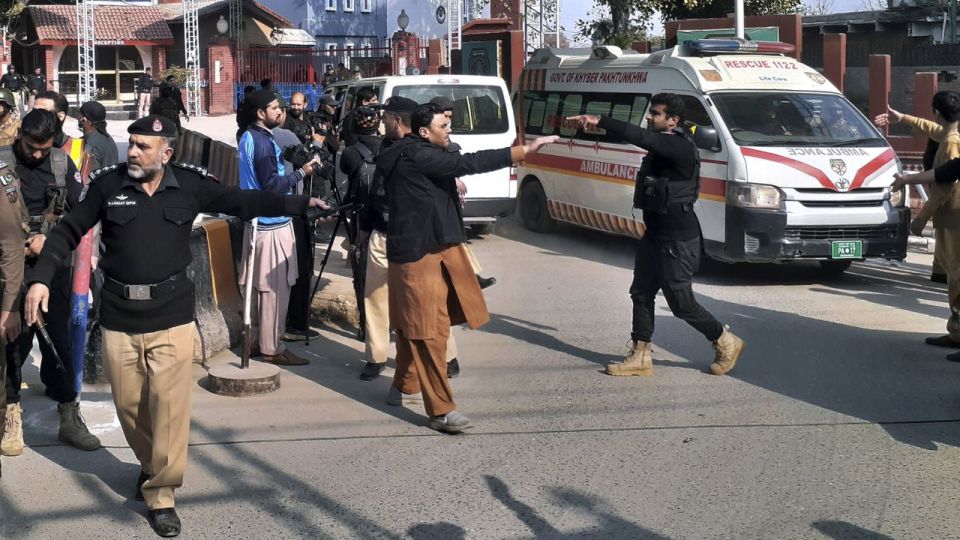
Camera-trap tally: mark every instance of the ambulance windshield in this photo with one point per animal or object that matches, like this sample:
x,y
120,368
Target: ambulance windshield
x,y
790,119
478,110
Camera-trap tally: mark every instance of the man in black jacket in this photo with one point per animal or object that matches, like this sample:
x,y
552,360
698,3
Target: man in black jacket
x,y
669,253
431,283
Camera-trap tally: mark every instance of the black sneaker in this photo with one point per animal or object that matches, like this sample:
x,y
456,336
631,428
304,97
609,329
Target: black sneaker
x,y
294,334
165,522
938,278
486,281
453,368
372,370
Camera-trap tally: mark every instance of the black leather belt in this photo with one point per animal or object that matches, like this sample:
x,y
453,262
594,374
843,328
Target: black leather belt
x,y
144,292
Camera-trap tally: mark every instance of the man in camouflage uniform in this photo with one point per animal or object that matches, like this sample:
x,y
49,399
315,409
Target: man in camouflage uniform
x,y
9,123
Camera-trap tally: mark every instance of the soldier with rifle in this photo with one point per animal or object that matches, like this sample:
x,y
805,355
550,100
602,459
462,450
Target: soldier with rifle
x,y
50,186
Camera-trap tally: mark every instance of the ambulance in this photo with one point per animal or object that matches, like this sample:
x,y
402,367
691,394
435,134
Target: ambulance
x,y
789,168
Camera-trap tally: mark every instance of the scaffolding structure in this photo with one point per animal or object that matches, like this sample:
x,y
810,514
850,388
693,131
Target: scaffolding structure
x,y
236,30
191,35
541,18
86,55
454,27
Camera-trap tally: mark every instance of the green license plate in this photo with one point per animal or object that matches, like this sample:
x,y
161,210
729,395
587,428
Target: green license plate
x,y
847,249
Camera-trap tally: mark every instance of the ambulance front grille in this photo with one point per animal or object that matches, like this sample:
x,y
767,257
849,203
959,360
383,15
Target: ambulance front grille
x,y
841,204
880,232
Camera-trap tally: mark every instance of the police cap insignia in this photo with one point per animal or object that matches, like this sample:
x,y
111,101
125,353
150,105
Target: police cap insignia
x,y
154,126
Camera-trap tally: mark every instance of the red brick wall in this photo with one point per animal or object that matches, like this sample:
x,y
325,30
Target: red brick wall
x,y
49,68
159,59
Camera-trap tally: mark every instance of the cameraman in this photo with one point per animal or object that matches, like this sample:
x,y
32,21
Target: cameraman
x,y
669,253
275,267
366,97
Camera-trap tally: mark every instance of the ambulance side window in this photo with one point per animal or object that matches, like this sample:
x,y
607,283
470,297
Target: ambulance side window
x,y
637,109
535,120
550,119
696,113
572,106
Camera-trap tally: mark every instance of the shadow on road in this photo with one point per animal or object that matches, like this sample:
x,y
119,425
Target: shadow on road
x,y
841,530
608,524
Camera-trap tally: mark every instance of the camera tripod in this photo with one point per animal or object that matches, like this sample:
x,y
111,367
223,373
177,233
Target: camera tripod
x,y
356,263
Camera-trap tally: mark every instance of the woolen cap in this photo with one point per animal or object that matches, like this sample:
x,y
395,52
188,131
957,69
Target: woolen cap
x,y
93,111
261,98
399,104
327,99
154,126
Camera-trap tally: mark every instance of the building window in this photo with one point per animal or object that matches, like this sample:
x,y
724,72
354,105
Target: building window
x,y
348,5
331,5
348,53
366,6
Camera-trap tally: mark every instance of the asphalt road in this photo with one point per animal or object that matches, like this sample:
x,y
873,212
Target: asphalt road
x,y
837,423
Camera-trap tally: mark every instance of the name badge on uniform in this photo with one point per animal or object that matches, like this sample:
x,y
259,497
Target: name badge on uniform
x,y
3,164
11,194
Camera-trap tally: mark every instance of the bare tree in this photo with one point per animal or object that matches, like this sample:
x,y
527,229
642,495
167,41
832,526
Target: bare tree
x,y
874,5
818,7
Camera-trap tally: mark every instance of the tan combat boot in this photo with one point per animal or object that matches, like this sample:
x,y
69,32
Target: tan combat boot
x,y
638,362
12,444
728,348
73,430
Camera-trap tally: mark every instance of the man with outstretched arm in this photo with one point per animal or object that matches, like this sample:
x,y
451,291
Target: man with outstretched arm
x,y
669,253
147,207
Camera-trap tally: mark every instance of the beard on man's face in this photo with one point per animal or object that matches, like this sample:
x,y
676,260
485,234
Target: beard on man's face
x,y
143,173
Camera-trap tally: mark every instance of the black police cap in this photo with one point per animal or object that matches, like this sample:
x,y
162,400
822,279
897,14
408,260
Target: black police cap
x,y
153,125
399,104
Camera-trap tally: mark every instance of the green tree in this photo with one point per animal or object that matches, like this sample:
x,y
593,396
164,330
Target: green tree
x,y
708,9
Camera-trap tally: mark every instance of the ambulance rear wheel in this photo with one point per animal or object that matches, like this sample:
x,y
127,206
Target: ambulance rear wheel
x,y
533,208
834,268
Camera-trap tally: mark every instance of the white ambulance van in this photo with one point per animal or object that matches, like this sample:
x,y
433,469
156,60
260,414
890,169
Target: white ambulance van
x,y
789,168
483,119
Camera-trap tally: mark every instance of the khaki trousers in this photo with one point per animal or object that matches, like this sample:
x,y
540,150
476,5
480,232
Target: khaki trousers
x,y
376,303
947,253
421,365
150,375
143,105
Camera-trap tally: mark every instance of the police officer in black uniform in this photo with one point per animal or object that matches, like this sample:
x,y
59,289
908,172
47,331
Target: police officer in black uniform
x,y
50,186
14,82
36,83
668,185
144,90
147,207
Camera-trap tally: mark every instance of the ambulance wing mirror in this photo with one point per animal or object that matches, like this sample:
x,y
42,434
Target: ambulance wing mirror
x,y
707,138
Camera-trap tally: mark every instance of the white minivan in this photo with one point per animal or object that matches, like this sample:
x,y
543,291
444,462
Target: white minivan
x,y
789,168
483,119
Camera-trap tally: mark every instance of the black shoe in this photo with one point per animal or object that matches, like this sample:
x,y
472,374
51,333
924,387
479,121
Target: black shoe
x,y
954,357
294,334
164,521
453,368
372,370
140,480
942,341
938,278
486,281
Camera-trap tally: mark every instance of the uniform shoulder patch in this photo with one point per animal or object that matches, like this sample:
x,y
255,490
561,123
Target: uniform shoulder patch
x,y
195,169
104,170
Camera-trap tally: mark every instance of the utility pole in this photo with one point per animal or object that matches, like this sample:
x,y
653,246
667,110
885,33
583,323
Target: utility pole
x,y
236,32
540,19
454,27
191,31
86,55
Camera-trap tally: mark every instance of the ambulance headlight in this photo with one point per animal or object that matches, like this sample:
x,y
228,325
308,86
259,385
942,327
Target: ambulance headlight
x,y
898,197
753,195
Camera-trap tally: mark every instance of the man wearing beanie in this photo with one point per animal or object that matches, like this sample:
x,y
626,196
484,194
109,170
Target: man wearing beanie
x,y
93,124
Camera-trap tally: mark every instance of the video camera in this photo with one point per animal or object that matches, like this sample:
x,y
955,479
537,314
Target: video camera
x,y
300,154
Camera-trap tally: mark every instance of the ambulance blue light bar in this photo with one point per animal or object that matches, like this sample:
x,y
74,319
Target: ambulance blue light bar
x,y
737,46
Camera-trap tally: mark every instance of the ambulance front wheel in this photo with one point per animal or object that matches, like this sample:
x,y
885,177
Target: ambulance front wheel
x,y
835,267
533,208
